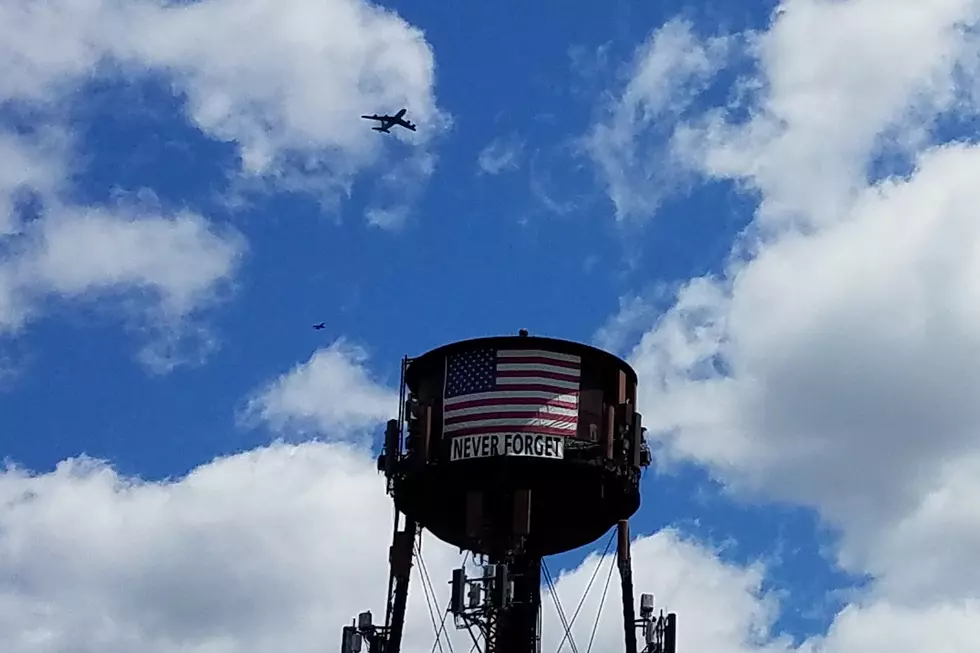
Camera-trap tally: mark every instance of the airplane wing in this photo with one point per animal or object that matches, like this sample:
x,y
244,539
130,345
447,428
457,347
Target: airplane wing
x,y
374,117
399,120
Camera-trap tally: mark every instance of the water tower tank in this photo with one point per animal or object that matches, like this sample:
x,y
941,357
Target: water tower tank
x,y
520,438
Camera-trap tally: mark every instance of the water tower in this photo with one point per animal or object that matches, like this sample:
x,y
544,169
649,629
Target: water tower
x,y
512,448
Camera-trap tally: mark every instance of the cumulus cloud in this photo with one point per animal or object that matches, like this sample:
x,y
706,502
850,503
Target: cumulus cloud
x,y
293,95
276,549
281,546
832,363
78,252
175,263
289,100
839,346
180,255
824,110
721,607
258,552
51,248
331,393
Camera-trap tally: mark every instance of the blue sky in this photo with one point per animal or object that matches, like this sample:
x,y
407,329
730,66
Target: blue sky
x,y
399,292
729,195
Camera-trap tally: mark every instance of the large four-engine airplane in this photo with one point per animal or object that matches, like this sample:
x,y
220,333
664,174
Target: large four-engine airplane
x,y
387,122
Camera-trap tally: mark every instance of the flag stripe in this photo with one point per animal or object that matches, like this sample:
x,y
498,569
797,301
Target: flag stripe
x,y
509,412
536,372
545,394
511,391
521,420
549,399
508,354
563,385
517,428
528,361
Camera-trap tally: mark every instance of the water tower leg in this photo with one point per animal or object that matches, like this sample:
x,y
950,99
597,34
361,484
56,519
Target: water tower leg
x,y
626,574
387,638
517,626
400,557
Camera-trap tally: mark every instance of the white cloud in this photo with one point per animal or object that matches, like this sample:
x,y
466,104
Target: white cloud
x,y
623,329
310,71
386,218
74,252
840,83
668,71
279,547
885,627
500,155
833,364
173,344
176,262
179,255
297,90
720,607
26,164
276,549
395,191
259,552
285,81
331,393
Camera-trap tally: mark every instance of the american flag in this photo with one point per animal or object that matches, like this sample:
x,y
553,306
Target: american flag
x,y
511,391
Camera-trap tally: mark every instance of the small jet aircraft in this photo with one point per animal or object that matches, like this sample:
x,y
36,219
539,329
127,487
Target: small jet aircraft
x,y
387,122
321,325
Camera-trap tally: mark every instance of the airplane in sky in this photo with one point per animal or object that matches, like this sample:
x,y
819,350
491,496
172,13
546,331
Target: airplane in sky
x,y
387,122
321,325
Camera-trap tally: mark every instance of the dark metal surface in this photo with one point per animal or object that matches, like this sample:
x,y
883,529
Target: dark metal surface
x,y
517,626
626,577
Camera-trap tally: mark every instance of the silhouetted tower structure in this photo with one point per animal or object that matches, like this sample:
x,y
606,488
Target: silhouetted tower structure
x,y
513,448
